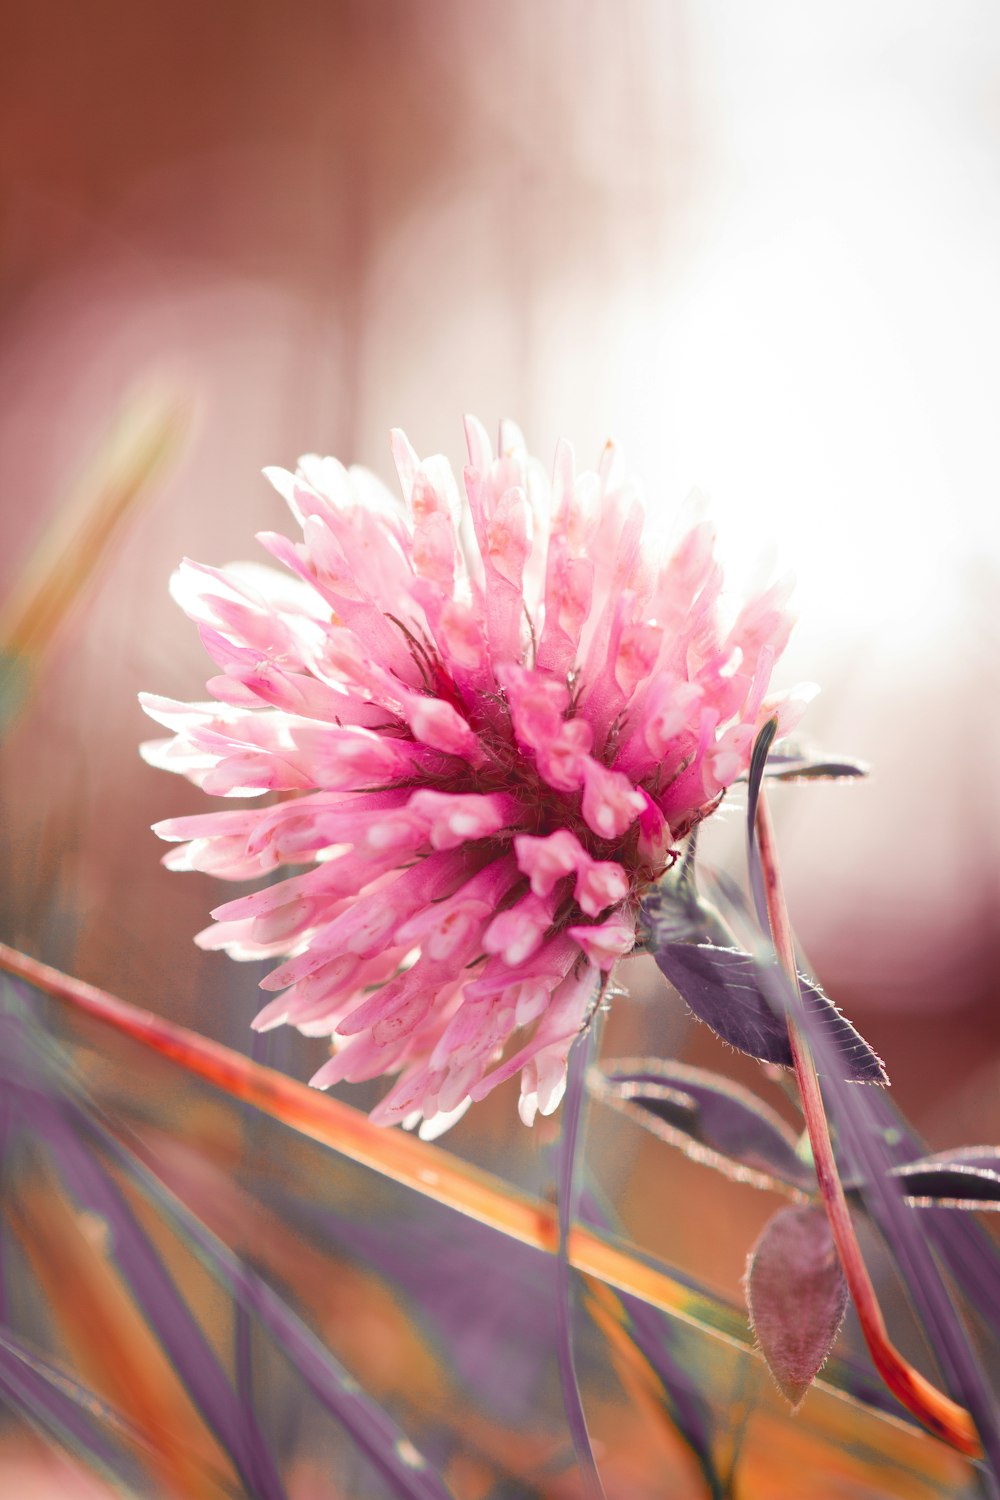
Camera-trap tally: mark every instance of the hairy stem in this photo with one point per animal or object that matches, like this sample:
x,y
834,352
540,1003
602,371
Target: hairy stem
x,y
937,1411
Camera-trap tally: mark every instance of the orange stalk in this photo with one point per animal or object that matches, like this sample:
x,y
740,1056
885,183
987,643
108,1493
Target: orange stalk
x,y
402,1158
932,1407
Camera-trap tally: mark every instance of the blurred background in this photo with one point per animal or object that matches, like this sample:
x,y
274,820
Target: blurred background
x,y
758,245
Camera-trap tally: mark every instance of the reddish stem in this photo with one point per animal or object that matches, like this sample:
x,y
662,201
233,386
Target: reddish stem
x,y
937,1411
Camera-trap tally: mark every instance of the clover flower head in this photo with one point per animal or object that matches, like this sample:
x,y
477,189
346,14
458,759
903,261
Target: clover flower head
x,y
490,714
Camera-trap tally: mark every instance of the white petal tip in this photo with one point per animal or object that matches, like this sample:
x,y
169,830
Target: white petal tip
x,y
443,1120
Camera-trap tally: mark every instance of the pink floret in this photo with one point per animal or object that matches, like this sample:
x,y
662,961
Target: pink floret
x,y
489,718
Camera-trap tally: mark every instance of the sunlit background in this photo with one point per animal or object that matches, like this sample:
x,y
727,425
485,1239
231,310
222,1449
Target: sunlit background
x,y
757,244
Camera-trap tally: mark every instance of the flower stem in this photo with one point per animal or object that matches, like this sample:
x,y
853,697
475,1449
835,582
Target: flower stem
x,y
932,1407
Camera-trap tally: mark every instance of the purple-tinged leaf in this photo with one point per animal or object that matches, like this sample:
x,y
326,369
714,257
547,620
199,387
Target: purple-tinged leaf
x,y
797,1297
964,1246
54,1100
373,1431
572,1111
165,1310
721,987
966,1178
733,993
67,1412
6,1124
709,1118
41,1097
792,766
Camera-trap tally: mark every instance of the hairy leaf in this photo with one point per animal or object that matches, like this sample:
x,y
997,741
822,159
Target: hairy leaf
x,y
734,993
709,1118
797,1297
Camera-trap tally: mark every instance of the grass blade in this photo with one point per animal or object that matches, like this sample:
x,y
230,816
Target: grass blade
x,y
66,1411
572,1111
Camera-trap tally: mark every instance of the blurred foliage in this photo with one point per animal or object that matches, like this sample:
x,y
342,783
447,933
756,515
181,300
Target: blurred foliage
x,y
200,1300
147,436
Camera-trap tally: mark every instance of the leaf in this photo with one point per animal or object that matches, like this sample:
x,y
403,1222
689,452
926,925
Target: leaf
x,y
722,988
796,1296
739,997
801,766
709,1118
966,1178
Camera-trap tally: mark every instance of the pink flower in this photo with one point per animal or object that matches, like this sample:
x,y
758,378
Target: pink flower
x,y
489,721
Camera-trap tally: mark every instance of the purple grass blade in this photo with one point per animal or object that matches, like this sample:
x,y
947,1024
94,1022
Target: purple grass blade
x,y
377,1436
38,1088
65,1411
387,1448
727,989
758,763
168,1315
655,1336
6,1126
495,1344
693,1416
796,1297
243,1364
855,1115
572,1111
259,1455
902,1227
709,1118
